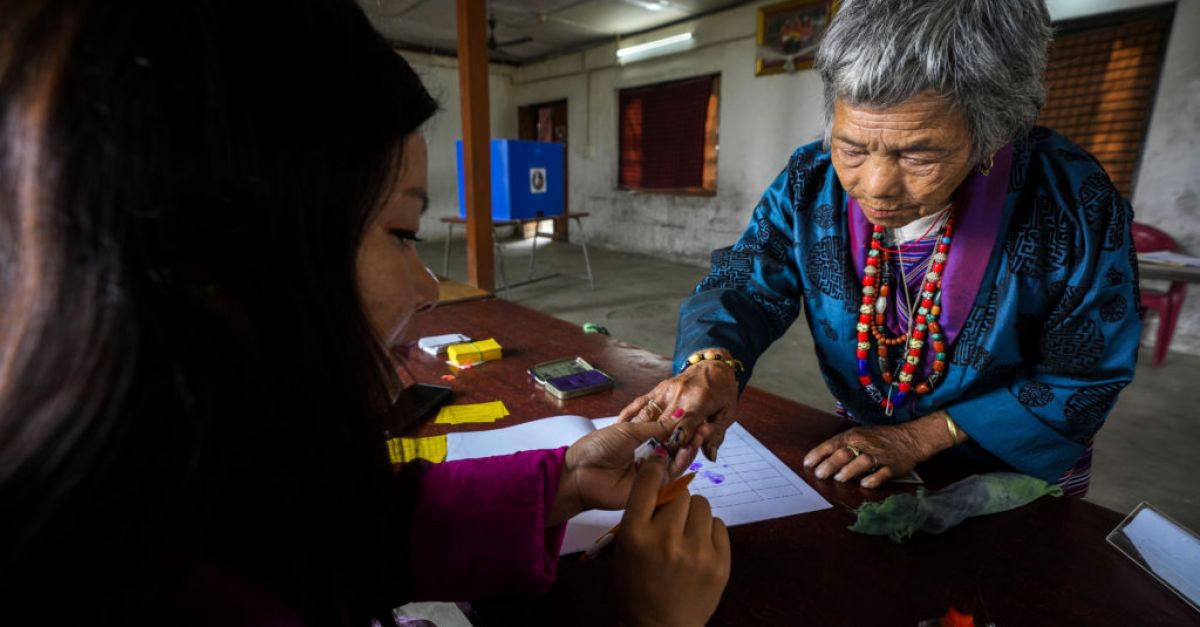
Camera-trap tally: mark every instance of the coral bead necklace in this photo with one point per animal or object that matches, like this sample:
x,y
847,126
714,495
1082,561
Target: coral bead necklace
x,y
922,323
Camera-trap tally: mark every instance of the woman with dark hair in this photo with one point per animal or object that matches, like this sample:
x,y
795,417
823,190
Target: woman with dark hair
x,y
206,220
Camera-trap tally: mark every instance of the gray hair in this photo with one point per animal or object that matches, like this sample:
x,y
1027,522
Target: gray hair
x,y
986,57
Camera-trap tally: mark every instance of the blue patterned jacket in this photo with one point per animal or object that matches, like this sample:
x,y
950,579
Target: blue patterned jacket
x,y
1051,339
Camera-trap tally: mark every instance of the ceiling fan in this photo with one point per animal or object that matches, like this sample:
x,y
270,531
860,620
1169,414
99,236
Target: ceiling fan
x,y
494,45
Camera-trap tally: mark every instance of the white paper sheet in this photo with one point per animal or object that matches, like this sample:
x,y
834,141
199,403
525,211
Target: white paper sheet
x,y
747,485
530,436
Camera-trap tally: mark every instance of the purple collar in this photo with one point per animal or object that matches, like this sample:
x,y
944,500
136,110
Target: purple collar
x,y
977,224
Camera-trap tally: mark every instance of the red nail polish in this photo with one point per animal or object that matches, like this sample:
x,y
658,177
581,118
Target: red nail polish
x,y
678,413
661,452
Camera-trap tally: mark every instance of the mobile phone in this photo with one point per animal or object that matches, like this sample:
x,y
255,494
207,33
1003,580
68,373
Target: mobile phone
x,y
1163,548
416,405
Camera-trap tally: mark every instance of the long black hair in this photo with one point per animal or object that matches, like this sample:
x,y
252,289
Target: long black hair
x,y
186,371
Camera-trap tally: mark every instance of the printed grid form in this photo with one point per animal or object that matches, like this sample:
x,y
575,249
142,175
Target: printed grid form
x,y
741,476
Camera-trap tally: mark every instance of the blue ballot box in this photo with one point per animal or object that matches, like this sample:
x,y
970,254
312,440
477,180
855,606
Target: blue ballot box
x,y
527,179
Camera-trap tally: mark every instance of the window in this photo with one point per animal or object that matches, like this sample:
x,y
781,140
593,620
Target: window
x,y
1100,81
668,139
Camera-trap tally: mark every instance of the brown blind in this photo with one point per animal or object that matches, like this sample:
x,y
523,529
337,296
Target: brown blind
x,y
1100,89
668,136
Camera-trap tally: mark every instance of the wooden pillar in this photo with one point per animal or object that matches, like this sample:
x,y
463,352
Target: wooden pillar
x,y
473,86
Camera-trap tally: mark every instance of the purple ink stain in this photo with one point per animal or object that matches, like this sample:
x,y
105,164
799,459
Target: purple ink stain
x,y
715,477
696,466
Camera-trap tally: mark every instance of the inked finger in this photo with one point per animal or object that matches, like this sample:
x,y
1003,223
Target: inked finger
x,y
683,431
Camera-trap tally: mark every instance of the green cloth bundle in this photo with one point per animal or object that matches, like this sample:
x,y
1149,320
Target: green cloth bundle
x,y
901,515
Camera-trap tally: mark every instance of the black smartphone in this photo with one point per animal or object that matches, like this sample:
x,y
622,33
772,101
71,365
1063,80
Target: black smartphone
x,y
416,405
424,399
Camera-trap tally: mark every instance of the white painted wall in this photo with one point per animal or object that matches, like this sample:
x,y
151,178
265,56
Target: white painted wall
x,y
1167,192
762,120
440,75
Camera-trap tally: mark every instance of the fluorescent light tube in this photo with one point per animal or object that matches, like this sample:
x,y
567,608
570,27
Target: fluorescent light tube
x,y
653,45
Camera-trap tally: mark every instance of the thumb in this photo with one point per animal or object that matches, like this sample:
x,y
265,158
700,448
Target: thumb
x,y
643,496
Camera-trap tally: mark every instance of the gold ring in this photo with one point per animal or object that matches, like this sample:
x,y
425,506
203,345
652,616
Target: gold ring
x,y
853,449
874,463
651,403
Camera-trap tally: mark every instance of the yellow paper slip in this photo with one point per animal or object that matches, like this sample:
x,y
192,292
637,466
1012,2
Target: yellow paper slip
x,y
403,450
478,412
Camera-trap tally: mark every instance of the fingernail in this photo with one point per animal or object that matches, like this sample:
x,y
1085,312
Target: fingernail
x,y
710,452
840,478
821,474
661,452
676,436
808,463
678,413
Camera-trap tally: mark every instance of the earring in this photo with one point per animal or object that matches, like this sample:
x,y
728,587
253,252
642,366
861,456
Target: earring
x,y
986,168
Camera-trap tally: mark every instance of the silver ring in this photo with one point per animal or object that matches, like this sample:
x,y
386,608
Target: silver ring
x,y
874,463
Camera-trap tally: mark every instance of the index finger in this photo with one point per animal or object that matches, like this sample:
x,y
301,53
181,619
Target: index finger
x,y
633,408
643,496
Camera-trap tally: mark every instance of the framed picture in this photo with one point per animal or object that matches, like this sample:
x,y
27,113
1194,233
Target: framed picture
x,y
789,33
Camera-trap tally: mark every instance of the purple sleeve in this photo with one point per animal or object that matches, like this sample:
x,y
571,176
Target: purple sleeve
x,y
479,526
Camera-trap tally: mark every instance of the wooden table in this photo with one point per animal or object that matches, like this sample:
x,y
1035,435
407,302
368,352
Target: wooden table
x,y
1043,564
451,292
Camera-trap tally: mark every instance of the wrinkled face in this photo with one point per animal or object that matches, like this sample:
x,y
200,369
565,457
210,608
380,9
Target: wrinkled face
x,y
903,162
393,282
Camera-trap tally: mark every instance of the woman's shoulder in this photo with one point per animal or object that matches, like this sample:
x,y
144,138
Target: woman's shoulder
x,y
809,157
809,171
1046,160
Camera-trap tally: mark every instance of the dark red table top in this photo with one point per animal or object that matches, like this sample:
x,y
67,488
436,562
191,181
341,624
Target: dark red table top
x,y
1043,564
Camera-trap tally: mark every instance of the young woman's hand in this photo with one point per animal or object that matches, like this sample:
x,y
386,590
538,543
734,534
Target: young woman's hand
x,y
598,469
671,564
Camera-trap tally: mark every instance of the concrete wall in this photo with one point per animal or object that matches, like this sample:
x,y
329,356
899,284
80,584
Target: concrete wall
x,y
762,120
1167,191
440,75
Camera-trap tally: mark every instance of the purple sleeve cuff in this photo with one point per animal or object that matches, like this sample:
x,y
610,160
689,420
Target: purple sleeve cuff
x,y
479,526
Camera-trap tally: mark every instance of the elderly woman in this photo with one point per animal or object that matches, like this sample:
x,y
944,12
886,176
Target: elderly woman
x,y
968,279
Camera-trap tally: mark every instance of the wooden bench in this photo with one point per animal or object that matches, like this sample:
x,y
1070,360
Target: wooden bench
x,y
453,221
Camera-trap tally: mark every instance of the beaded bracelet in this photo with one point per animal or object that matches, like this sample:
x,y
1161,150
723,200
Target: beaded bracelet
x,y
714,355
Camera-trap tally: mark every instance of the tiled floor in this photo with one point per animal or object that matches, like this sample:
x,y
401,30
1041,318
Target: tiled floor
x,y
1148,451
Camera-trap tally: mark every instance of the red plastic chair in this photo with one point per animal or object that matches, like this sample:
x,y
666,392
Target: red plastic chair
x,y
1167,304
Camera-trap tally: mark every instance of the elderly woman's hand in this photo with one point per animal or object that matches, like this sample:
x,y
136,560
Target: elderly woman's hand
x,y
700,402
879,454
